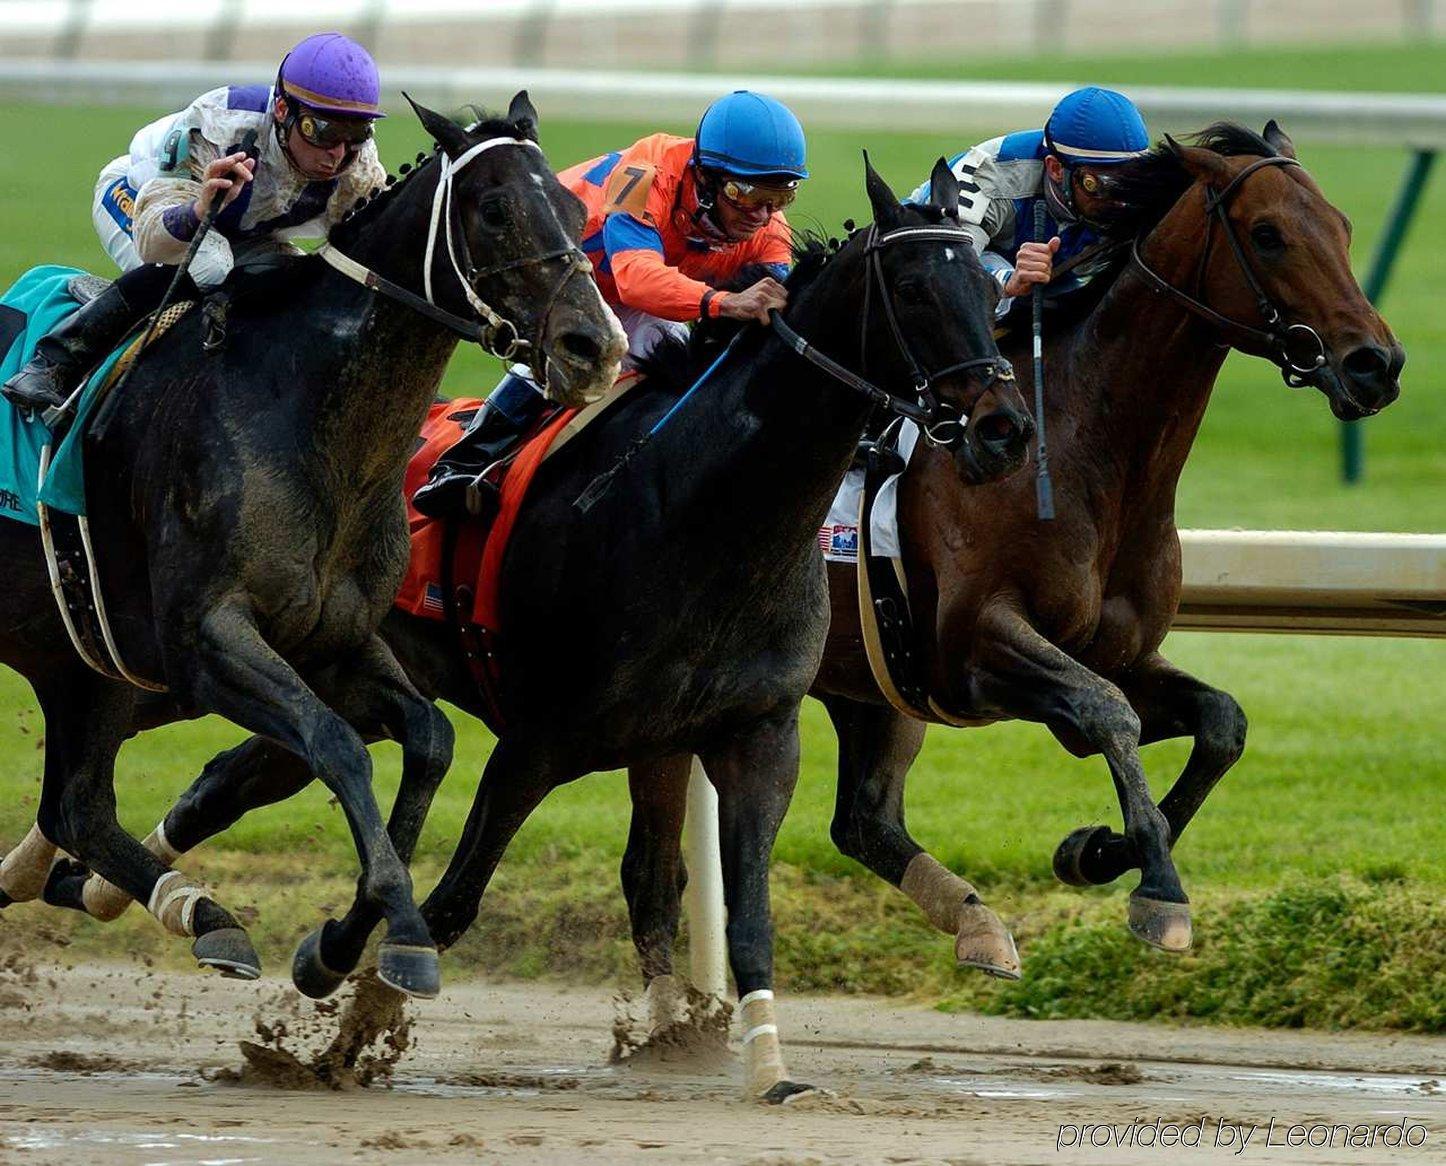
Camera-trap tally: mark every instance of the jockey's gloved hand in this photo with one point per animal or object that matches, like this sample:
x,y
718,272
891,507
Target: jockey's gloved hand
x,y
754,303
1033,265
229,173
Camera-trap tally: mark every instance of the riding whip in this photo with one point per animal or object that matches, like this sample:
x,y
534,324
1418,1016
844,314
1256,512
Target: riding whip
x,y
1043,489
248,147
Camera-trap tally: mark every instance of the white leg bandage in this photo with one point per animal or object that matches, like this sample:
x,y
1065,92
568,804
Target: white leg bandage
x,y
173,902
25,869
104,900
762,1053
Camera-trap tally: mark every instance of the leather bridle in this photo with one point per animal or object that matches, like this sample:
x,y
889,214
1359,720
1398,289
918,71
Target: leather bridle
x,y
935,419
1297,349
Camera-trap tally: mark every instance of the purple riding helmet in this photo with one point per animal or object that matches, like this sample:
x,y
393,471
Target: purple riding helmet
x,y
330,73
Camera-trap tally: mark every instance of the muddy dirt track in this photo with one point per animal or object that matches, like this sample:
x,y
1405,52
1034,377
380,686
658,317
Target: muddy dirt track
x,y
123,1065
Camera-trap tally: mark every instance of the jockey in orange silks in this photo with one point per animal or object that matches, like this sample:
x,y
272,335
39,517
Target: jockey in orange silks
x,y
670,221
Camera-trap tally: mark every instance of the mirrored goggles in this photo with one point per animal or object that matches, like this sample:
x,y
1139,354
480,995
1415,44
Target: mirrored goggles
x,y
1093,183
328,132
757,195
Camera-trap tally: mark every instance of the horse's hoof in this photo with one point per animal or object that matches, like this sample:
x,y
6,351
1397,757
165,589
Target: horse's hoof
x,y
409,968
1072,856
309,971
229,951
984,942
1161,924
784,1091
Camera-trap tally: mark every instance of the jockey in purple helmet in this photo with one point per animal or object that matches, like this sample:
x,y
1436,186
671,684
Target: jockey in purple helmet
x,y
315,158
1066,165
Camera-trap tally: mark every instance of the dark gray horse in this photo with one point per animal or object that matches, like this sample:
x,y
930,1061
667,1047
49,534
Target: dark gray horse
x,y
685,612
248,511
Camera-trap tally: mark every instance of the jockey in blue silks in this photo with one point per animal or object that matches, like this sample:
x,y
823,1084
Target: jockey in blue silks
x,y
1066,164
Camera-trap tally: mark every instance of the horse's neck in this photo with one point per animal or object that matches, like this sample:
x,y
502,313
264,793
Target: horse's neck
x,y
1140,372
367,415
772,444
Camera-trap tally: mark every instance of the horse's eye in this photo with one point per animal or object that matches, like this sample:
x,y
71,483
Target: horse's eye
x,y
1266,237
494,214
910,291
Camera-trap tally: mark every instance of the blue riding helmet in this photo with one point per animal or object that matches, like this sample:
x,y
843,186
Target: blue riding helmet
x,y
748,134
1096,127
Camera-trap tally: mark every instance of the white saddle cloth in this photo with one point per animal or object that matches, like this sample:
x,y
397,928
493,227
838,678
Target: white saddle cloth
x,y
838,538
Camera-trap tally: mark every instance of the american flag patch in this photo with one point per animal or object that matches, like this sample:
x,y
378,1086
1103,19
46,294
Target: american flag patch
x,y
432,600
839,542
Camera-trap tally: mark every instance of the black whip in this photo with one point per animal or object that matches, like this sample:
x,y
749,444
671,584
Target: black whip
x,y
1043,488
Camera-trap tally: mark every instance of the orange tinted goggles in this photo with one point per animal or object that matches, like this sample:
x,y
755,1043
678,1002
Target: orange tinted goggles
x,y
327,132
758,195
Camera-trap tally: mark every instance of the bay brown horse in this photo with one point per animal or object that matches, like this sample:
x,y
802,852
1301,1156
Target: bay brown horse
x,y
1061,622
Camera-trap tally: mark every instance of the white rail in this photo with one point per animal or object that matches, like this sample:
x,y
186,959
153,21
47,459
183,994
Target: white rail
x,y
1379,119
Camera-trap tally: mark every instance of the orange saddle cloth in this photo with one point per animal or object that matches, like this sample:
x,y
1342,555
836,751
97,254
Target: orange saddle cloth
x,y
477,548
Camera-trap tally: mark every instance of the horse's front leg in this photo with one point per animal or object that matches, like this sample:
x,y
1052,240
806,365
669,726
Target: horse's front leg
x,y
654,878
754,774
1170,703
876,747
372,691
234,672
1018,672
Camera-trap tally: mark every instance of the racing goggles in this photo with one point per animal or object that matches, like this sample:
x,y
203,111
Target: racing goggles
x,y
326,133
1093,183
773,196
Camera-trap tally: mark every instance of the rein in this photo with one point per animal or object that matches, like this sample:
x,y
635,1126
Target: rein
x,y
1297,349
925,410
494,332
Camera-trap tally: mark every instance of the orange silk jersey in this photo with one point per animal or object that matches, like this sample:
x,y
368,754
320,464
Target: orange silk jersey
x,y
646,251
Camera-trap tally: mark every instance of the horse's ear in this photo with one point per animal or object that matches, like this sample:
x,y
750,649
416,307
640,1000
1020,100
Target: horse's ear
x,y
883,200
1278,140
1203,165
944,189
445,132
522,114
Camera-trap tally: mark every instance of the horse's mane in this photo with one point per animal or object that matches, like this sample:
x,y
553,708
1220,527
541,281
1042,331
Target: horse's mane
x,y
1150,185
675,362
366,209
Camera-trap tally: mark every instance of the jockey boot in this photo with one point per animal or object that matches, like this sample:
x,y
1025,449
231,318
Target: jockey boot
x,y
70,350
456,486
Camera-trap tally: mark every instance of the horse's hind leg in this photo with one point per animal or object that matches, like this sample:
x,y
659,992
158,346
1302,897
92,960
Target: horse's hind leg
x,y
1019,672
237,674
374,694
876,747
755,774
84,729
255,773
514,781
653,876
1170,703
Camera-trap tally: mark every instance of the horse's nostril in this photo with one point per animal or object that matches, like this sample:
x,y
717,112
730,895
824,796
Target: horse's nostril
x,y
1367,362
997,429
581,346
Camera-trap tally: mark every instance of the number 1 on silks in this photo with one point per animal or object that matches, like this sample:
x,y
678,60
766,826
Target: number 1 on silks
x,y
1043,489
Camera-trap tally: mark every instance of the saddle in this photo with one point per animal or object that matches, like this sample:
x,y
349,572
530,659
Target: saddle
x,y
454,572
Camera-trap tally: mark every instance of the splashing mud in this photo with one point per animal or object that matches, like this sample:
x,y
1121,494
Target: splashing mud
x,y
365,1038
690,1031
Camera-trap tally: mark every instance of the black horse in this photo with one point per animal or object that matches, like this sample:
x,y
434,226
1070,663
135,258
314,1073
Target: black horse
x,y
251,534
685,612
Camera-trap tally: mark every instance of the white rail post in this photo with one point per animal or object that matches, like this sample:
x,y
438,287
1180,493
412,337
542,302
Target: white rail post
x,y
707,947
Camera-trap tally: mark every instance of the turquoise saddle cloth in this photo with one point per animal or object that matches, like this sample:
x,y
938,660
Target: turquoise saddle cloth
x,y
35,303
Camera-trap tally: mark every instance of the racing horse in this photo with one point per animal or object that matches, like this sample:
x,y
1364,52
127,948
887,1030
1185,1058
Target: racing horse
x,y
1228,242
251,534
685,612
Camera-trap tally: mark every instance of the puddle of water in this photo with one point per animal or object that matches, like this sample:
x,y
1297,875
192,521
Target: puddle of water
x,y
61,1137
